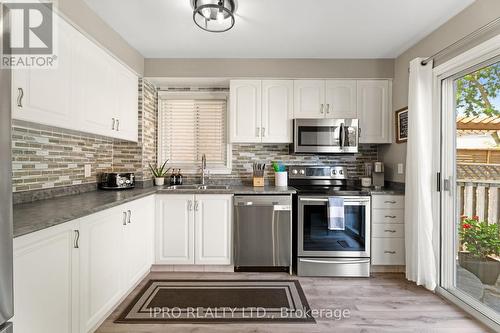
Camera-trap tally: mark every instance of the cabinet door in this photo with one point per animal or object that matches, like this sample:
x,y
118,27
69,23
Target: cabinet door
x,y
96,97
138,245
340,99
374,104
45,95
175,229
277,111
213,229
101,278
46,281
245,111
309,99
127,88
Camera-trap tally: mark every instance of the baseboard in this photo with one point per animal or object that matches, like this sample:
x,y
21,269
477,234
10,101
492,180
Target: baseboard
x,y
193,268
387,269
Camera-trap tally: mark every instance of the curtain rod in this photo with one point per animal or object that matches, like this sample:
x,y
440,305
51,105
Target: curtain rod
x,y
470,36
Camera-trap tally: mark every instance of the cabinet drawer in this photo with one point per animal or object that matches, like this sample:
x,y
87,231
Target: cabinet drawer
x,y
388,201
389,230
388,251
388,216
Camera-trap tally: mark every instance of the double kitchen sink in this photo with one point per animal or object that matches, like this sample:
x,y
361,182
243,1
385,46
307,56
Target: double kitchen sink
x,y
197,187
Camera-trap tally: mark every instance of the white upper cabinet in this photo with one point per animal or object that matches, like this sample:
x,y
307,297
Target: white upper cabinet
x,y
245,110
374,111
340,99
309,98
88,91
277,111
44,95
261,111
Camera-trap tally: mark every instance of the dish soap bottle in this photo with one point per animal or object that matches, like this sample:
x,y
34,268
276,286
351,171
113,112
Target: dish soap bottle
x,y
179,177
173,178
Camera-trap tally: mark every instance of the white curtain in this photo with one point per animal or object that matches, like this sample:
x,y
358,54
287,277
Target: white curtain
x,y
420,256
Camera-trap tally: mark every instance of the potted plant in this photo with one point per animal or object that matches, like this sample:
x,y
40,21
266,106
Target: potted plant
x,y
159,173
481,249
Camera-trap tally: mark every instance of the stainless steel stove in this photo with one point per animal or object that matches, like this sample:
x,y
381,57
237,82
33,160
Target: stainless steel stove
x,y
321,249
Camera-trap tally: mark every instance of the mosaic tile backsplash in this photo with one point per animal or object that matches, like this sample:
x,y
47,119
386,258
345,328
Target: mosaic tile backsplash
x,y
46,157
244,155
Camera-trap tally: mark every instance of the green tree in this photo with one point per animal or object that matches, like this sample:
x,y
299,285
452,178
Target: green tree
x,y
476,90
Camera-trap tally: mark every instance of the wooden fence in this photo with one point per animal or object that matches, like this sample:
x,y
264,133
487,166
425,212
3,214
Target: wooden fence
x,y
482,156
481,198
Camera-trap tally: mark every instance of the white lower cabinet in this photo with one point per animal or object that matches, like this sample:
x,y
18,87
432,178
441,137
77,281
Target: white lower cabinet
x,y
194,229
46,281
69,278
388,238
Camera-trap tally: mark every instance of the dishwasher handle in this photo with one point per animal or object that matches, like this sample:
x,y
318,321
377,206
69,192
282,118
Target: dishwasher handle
x,y
276,206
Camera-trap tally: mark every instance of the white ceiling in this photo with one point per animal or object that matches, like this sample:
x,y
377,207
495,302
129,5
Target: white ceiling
x,y
279,28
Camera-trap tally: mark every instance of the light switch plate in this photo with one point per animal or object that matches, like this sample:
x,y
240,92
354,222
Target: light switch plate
x,y
400,168
88,170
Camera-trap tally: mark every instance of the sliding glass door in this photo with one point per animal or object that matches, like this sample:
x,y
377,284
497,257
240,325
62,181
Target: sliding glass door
x,y
470,169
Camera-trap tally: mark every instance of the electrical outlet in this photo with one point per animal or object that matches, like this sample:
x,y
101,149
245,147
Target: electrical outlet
x,y
88,170
400,168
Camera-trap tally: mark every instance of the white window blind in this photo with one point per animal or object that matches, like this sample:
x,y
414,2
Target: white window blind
x,y
189,128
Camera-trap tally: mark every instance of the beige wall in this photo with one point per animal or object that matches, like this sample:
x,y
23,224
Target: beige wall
x,y
473,17
276,68
82,16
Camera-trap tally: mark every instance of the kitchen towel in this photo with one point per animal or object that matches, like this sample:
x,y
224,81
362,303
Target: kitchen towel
x,y
335,212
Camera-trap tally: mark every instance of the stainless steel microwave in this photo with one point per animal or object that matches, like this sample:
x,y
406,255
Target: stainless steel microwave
x,y
325,136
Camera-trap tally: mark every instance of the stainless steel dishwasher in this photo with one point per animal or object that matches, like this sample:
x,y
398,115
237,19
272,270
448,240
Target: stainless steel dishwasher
x,y
263,233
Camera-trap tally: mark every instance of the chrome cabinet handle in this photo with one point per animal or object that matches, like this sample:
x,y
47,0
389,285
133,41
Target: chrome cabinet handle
x,y
129,215
118,125
263,131
113,126
124,218
321,109
387,230
391,216
20,97
328,108
196,204
77,239
190,205
359,132
390,252
391,202
257,131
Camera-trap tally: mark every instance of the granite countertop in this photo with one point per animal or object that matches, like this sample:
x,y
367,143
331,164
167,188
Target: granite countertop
x,y
38,215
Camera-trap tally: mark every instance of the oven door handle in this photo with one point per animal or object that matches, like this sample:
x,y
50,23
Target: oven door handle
x,y
357,200
315,261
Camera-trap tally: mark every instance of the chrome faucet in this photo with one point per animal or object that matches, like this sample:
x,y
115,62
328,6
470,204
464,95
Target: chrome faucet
x,y
204,170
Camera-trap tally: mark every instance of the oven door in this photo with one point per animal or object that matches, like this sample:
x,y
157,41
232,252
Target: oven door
x,y
316,240
325,136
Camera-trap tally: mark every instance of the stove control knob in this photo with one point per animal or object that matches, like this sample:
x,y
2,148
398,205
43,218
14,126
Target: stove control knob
x,y
294,171
302,172
334,172
341,172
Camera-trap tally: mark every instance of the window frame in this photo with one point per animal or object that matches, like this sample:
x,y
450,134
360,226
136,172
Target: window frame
x,y
193,95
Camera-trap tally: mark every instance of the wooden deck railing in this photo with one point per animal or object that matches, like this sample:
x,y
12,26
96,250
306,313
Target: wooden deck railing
x,y
481,198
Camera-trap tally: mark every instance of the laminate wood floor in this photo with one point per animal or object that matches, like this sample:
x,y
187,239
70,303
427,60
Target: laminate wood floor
x,y
383,303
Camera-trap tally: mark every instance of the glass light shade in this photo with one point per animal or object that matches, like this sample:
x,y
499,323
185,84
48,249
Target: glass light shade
x,y
214,15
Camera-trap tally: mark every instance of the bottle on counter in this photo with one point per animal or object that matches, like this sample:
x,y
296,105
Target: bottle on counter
x,y
179,177
173,178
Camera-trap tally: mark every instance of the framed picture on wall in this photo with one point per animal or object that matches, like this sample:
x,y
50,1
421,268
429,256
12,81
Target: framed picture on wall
x,y
402,125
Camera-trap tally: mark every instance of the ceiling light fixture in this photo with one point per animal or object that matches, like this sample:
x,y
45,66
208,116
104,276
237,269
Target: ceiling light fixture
x,y
214,15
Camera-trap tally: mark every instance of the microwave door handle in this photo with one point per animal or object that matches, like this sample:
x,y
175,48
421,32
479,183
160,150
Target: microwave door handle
x,y
341,135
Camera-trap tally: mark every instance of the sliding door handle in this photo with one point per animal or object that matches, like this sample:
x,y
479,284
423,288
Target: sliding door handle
x,y
129,215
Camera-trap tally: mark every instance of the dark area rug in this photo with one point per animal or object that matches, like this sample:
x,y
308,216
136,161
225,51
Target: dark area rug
x,y
218,301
